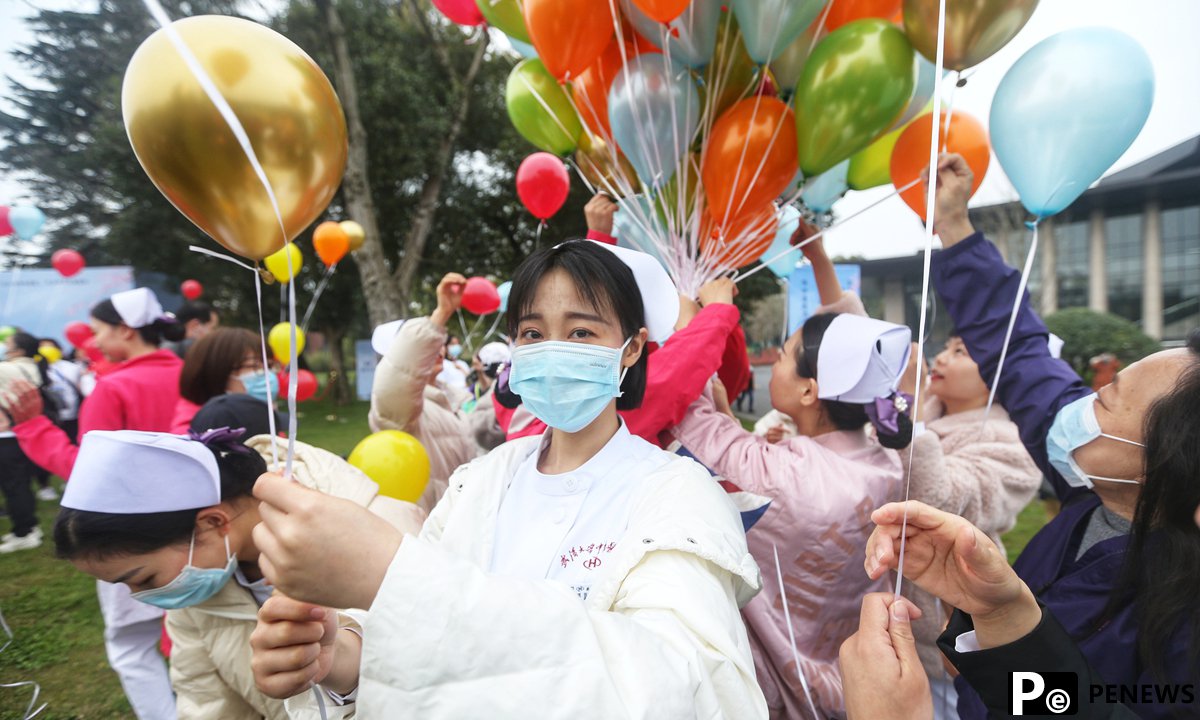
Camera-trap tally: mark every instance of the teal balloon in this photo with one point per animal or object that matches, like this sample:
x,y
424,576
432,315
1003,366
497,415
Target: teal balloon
x,y
770,26
821,192
503,290
1067,110
26,221
691,37
523,48
789,222
922,93
653,109
854,87
793,187
636,224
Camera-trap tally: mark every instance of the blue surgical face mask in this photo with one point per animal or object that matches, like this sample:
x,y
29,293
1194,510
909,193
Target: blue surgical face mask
x,y
454,351
257,382
193,585
565,384
1076,425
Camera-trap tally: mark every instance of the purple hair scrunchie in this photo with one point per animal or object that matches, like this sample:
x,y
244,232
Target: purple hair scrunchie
x,y
222,439
884,413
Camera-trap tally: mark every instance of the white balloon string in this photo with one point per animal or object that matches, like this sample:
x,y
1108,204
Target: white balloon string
x,y
312,304
30,712
950,111
1012,318
930,208
462,324
820,31
492,330
468,343
787,616
262,340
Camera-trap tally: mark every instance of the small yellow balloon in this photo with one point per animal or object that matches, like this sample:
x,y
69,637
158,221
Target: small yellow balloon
x,y
396,461
280,341
50,353
355,232
277,263
286,105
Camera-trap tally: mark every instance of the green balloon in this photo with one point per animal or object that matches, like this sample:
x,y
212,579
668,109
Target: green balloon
x,y
7,331
506,15
540,109
855,85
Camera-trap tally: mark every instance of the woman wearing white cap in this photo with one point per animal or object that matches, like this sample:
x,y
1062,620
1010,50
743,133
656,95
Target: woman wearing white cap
x,y
138,394
836,374
582,573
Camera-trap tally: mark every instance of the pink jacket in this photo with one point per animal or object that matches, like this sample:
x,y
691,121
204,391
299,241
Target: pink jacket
x,y
822,491
138,394
181,421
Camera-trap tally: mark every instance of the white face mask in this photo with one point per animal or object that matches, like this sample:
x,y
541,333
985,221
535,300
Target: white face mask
x,y
1074,426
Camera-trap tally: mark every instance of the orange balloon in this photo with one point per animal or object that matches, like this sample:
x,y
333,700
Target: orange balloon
x,y
663,11
591,87
751,158
331,242
911,154
844,11
568,34
747,238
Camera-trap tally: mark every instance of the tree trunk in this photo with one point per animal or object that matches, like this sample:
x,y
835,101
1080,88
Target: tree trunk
x,y
422,224
340,390
384,301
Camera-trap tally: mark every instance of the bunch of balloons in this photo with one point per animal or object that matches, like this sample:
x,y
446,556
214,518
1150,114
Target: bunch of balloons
x,y
24,221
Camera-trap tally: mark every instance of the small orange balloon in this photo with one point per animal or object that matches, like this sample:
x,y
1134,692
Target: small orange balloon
x,y
911,154
591,86
844,11
568,34
663,11
331,242
746,239
751,158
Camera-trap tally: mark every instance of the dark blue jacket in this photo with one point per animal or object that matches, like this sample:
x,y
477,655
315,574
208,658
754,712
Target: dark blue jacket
x,y
978,290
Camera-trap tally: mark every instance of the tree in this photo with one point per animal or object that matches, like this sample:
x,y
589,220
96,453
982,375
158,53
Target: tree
x,y
1087,333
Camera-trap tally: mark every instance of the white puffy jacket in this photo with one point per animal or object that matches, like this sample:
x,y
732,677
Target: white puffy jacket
x,y
659,636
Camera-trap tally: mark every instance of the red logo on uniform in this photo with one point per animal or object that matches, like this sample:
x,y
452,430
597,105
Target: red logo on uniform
x,y
592,563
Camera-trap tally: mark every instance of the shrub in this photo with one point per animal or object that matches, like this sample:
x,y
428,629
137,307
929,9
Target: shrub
x,y
1087,333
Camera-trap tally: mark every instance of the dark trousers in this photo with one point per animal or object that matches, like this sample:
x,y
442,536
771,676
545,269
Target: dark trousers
x,y
16,483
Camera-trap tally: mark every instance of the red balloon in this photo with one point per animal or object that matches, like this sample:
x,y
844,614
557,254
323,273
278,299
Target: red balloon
x,y
191,289
480,296
78,333
463,12
93,352
306,385
67,262
6,228
543,184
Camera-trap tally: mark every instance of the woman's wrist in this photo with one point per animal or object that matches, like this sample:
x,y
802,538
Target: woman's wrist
x,y
1009,622
343,675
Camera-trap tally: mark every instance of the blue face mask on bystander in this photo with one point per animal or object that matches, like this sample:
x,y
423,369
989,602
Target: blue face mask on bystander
x,y
1076,425
257,382
193,585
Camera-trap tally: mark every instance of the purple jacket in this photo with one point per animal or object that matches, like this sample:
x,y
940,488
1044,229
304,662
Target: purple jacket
x,y
978,290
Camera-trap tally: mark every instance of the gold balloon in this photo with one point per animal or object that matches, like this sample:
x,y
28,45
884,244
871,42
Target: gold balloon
x,y
286,105
975,29
594,158
355,232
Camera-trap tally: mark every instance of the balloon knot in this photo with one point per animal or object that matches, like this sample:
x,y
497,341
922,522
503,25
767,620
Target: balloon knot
x,y
265,274
1032,224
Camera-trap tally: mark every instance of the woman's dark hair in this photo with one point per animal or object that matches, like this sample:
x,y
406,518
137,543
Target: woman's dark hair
x,y
843,415
601,279
99,535
212,359
153,334
28,345
189,311
1161,573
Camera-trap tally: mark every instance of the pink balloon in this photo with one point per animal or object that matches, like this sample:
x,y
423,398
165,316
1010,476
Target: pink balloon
x,y
480,296
67,262
463,12
6,227
543,184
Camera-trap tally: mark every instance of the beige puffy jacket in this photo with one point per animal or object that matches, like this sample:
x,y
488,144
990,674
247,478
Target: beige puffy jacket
x,y
402,399
210,657
21,368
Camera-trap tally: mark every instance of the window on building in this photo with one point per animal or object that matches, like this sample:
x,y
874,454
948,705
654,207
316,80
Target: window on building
x,y
1071,259
1123,265
1180,271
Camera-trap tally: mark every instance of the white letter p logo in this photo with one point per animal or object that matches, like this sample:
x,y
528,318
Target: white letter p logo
x,y
1019,692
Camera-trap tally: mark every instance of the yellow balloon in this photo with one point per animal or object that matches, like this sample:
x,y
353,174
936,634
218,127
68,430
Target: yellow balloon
x,y
280,341
50,353
396,461
871,166
285,103
277,262
355,232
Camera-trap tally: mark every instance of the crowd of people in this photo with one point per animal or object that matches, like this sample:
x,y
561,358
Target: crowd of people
x,y
600,536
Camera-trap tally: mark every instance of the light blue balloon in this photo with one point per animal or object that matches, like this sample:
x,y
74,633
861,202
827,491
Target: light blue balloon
x,y
793,187
922,93
769,26
654,113
525,49
26,220
821,192
691,37
1067,110
789,222
503,290
636,224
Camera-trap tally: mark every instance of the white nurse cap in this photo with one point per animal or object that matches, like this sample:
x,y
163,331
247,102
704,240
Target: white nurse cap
x,y
138,307
861,359
660,297
384,335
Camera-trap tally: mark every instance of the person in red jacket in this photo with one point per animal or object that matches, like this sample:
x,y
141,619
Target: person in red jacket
x,y
139,393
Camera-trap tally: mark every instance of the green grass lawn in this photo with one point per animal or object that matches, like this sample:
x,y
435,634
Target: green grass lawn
x,y
55,618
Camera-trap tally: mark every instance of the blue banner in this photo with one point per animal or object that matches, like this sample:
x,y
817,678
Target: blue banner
x,y
41,302
803,297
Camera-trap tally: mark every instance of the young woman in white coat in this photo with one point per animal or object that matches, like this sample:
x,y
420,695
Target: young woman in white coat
x,y
582,573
